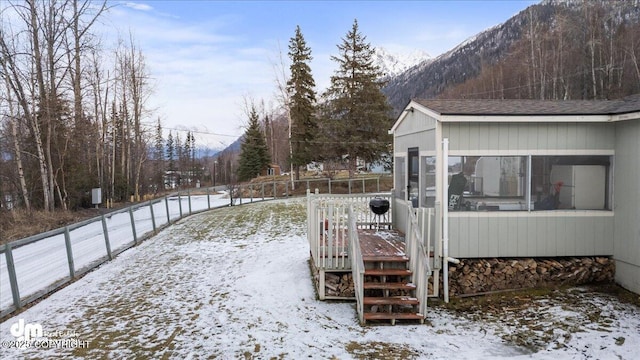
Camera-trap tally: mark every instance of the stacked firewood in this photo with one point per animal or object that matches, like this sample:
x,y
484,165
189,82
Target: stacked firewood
x,y
339,284
473,276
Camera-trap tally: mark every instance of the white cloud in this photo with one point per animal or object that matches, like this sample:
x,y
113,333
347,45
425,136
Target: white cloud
x,y
138,6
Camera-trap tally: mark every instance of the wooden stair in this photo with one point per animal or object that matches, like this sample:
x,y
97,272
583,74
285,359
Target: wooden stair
x,y
388,291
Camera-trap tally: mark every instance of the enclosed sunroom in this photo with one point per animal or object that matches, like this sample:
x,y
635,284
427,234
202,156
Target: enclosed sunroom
x,y
525,178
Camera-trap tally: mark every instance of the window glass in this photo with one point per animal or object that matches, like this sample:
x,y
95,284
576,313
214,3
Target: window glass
x,y
487,183
429,173
400,178
570,182
501,183
413,187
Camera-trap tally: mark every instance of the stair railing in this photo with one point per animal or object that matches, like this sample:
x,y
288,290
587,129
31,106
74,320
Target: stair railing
x,y
357,265
418,256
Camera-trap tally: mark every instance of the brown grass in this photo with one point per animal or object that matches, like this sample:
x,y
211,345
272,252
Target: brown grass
x,y
19,223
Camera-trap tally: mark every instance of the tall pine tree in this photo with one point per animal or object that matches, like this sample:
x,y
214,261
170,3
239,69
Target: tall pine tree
x,y
254,154
158,157
300,86
356,114
171,152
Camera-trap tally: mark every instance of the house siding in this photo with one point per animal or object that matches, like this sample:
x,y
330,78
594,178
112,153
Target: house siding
x,y
535,234
627,208
417,129
534,137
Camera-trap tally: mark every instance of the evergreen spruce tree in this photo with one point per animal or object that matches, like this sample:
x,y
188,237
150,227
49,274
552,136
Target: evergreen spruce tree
x,y
300,86
159,157
254,154
356,114
171,152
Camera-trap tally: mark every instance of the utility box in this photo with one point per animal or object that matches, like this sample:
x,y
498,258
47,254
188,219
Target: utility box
x,y
96,196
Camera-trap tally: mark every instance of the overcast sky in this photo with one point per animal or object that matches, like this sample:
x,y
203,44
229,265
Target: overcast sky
x,y
207,57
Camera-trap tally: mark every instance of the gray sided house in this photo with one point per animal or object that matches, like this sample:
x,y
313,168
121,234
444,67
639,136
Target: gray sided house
x,y
525,178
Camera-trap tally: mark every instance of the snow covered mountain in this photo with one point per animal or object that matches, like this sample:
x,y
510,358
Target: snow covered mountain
x,y
395,64
430,78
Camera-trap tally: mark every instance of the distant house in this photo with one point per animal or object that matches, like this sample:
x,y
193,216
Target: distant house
x,y
271,170
526,178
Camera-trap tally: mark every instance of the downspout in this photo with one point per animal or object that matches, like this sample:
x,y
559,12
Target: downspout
x,y
445,221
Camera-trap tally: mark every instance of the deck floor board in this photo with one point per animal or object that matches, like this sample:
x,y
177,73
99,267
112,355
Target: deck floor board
x,y
384,243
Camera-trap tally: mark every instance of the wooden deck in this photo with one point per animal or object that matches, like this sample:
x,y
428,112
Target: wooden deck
x,y
382,245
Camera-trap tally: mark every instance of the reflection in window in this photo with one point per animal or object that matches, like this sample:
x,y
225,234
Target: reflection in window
x,y
399,177
570,182
429,173
413,187
492,183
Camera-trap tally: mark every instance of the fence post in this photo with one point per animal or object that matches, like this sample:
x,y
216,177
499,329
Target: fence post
x,y
274,190
153,217
286,189
330,186
240,193
208,199
13,279
67,243
189,197
363,186
180,205
378,183
133,226
251,192
166,205
262,191
106,237
349,186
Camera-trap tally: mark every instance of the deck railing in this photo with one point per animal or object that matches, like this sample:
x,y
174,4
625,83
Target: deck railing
x,y
357,265
327,225
418,250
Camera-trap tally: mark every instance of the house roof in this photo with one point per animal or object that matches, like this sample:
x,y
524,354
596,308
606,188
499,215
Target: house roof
x,y
532,107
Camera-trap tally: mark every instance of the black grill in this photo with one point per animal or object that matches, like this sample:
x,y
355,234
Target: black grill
x,y
379,206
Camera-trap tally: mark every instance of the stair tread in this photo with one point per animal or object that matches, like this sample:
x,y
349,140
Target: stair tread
x,y
387,272
389,285
390,300
387,258
388,316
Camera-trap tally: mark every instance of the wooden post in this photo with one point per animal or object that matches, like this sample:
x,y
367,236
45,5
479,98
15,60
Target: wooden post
x,y
329,186
133,226
189,199
286,189
105,232
262,191
363,186
67,243
13,279
208,199
321,285
180,205
251,193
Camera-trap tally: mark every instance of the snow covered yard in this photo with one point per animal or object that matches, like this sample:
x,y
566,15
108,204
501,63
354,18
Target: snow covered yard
x,y
235,283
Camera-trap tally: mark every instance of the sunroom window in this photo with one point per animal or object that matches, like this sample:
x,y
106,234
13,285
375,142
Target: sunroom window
x,y
571,182
511,183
